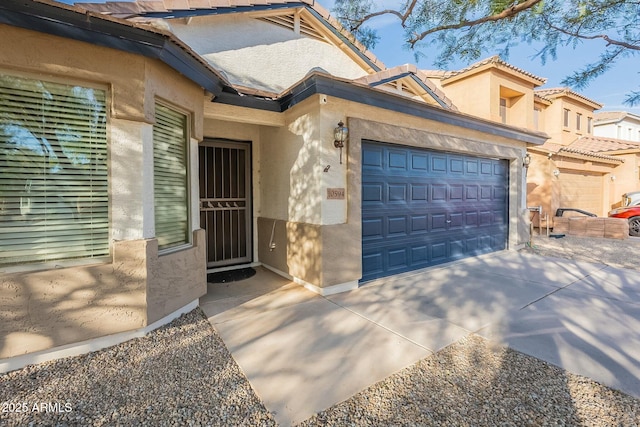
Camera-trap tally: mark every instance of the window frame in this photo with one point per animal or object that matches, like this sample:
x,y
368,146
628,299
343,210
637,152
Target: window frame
x,y
503,106
565,118
188,120
578,122
73,81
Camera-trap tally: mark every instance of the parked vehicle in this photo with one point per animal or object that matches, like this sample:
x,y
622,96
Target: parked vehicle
x,y
630,210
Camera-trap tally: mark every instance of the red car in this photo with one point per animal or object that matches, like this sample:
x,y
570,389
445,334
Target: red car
x,y
629,210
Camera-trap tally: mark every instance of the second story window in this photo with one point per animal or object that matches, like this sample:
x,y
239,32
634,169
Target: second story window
x,y
536,118
565,119
503,110
589,124
578,122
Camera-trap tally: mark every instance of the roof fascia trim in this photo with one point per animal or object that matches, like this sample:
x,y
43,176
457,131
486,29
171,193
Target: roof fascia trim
x,y
224,10
342,37
430,92
248,101
319,84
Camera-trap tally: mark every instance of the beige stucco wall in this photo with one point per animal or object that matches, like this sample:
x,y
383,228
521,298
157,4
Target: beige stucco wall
x,y
479,95
473,96
43,308
554,120
519,107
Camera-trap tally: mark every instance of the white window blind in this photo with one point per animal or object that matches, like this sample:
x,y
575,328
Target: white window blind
x,y
170,178
54,201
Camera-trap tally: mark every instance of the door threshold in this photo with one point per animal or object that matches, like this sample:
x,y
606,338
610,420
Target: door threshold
x,y
233,267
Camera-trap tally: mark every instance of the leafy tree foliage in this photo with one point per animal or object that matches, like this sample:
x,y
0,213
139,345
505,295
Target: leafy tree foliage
x,y
464,29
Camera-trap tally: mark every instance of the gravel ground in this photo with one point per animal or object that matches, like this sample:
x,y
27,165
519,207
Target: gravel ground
x,y
471,383
182,374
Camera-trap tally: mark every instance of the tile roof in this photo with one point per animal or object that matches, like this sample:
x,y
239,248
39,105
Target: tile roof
x,y
395,73
614,116
591,146
589,154
601,144
557,92
497,61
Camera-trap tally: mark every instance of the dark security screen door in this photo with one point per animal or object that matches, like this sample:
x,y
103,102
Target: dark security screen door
x,y
225,201
422,207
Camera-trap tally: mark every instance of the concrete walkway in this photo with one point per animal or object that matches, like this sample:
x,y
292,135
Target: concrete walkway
x,y
303,353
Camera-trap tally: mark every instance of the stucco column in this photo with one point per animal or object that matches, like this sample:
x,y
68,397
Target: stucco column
x,y
131,152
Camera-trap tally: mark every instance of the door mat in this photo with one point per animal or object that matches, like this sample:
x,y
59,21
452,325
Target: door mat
x,y
231,275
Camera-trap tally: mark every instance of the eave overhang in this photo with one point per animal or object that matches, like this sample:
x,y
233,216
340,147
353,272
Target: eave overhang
x,y
317,83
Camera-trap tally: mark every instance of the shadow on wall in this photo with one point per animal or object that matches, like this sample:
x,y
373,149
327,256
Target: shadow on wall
x,y
45,309
53,308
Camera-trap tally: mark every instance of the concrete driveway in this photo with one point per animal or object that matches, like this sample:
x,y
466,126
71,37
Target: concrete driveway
x,y
303,353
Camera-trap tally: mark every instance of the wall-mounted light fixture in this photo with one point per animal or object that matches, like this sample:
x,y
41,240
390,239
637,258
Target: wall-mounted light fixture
x,y
613,177
526,160
340,135
556,172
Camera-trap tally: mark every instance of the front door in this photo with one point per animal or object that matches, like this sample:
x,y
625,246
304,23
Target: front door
x,y
225,201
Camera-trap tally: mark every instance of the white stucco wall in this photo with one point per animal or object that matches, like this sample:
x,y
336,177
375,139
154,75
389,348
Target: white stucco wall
x,y
259,54
626,129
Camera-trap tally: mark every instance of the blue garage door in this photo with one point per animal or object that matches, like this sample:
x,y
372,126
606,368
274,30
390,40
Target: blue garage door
x,y
423,207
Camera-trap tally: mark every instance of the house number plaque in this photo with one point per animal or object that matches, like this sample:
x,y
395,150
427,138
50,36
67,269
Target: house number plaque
x,y
335,193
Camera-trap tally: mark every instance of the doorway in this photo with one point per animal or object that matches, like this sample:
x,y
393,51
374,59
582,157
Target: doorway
x,y
225,201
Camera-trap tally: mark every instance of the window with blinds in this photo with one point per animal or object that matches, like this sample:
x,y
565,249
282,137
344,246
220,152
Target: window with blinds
x,y
54,199
170,182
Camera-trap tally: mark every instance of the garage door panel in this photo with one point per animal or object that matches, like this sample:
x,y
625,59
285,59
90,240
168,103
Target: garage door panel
x,y
372,263
582,191
372,229
419,224
486,168
419,192
397,226
456,220
456,166
397,193
439,193
372,159
435,207
397,160
472,167
419,162
372,192
438,163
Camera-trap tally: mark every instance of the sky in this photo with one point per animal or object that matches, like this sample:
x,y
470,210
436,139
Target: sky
x,y
609,89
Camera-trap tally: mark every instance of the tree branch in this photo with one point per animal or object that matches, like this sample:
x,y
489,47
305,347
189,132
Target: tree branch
x,y
507,13
401,16
604,37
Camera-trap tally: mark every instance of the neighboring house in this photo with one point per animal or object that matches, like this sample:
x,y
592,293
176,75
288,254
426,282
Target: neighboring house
x,y
500,92
192,136
566,171
617,124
